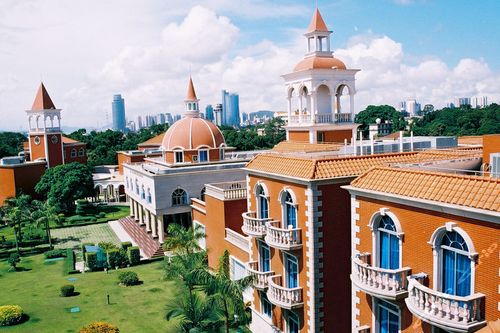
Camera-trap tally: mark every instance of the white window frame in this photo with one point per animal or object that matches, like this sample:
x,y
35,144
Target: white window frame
x,y
375,306
265,315
373,224
176,159
204,150
74,153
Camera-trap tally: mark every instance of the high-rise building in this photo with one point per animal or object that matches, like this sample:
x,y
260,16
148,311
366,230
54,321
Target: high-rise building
x,y
118,108
177,117
464,101
218,114
412,108
139,123
479,102
230,108
209,112
160,118
169,118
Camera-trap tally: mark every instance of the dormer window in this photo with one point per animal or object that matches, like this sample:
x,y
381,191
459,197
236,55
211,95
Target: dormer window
x,y
203,155
178,156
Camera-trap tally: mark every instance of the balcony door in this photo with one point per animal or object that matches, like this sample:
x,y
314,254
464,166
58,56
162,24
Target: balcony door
x,y
387,317
262,202
388,244
265,257
290,211
292,322
456,265
292,271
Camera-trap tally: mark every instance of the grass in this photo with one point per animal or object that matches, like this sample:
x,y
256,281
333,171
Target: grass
x,y
72,237
133,309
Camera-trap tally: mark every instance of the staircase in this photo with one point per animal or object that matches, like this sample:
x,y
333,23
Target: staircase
x,y
150,247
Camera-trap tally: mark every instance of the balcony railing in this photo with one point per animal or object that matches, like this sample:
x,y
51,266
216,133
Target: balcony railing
x,y
238,240
384,283
227,190
252,225
449,312
343,118
288,298
283,239
260,278
324,118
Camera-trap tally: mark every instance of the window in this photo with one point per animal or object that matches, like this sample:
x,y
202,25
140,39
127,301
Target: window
x,y
202,242
265,306
202,194
137,187
178,156
455,265
321,136
289,210
292,322
203,155
179,197
387,317
143,194
73,152
81,152
126,182
221,154
149,196
292,271
265,257
238,270
262,203
388,244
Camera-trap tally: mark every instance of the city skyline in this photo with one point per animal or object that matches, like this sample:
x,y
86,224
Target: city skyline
x,y
246,53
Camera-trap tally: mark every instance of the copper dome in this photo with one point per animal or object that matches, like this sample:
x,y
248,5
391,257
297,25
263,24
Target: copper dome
x,y
192,133
319,62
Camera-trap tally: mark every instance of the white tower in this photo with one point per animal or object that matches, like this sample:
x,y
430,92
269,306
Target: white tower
x,y
191,102
315,87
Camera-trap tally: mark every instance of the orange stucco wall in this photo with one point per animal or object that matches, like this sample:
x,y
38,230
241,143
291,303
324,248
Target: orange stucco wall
x,y
7,184
55,150
418,226
20,178
275,187
338,136
491,144
78,158
37,151
300,136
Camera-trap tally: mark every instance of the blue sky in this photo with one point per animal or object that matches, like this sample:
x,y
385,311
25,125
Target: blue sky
x,y
88,50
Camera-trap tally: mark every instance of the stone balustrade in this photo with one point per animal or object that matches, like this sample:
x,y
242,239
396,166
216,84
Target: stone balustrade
x,y
283,239
260,278
252,225
288,298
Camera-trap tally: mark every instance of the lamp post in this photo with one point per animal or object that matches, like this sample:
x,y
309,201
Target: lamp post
x,y
410,129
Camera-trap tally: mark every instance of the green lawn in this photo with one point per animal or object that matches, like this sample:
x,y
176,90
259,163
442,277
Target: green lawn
x,y
133,309
72,237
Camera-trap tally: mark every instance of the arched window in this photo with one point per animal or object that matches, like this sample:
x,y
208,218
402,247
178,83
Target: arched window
x,y
81,152
179,197
455,265
202,194
73,152
388,243
262,203
149,196
143,193
137,187
289,210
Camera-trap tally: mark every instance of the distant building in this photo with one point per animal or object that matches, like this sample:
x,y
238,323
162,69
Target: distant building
x,y
428,108
479,102
218,114
230,108
464,101
161,119
131,126
118,109
177,117
139,123
169,118
209,112
244,117
380,128
412,108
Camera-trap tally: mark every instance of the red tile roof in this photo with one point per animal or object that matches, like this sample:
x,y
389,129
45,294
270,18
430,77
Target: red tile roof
x,y
42,100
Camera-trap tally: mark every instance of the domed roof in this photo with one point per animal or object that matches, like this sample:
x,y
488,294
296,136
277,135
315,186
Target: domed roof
x,y
319,62
192,133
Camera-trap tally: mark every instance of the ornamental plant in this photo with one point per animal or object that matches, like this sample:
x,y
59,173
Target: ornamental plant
x,y
11,315
128,278
67,290
99,327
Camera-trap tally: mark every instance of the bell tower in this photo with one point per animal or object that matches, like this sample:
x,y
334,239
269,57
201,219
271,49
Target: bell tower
x,y
191,102
44,124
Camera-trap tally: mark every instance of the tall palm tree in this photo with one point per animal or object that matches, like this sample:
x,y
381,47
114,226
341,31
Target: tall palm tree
x,y
15,213
226,294
43,214
183,241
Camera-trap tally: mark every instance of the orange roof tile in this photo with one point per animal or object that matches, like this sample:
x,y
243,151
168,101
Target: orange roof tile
x,y
191,94
345,166
154,141
317,23
462,190
294,146
319,62
470,140
69,141
42,100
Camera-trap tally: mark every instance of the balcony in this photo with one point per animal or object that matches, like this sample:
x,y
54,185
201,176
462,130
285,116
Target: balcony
x,y
449,312
227,190
283,239
389,284
252,225
325,118
287,298
260,278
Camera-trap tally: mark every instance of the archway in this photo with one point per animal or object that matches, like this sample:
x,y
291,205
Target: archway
x,y
324,99
343,101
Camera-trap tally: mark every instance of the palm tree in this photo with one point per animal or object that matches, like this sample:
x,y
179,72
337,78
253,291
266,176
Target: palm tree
x,y
226,294
15,213
183,241
43,215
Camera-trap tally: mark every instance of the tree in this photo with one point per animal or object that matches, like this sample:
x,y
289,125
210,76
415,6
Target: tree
x,y
183,241
226,294
11,143
44,214
16,211
64,184
13,260
383,112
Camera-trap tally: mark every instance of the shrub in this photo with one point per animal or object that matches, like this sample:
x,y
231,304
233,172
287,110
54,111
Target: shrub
x,y
69,262
126,245
101,215
99,327
59,253
11,315
134,255
67,290
117,258
13,260
106,246
91,260
128,278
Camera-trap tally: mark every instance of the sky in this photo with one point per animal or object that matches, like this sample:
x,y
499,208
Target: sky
x,y
87,51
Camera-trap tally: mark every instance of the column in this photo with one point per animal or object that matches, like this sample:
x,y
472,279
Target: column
x,y
154,228
313,103
334,105
148,222
289,110
141,215
161,233
132,213
136,210
300,107
351,96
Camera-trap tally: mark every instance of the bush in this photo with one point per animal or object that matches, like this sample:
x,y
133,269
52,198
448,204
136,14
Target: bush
x,y
91,260
99,327
59,253
13,260
11,315
117,258
134,255
128,278
101,215
69,263
67,290
126,245
106,246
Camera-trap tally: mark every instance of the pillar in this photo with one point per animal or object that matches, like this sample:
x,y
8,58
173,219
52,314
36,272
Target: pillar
x,y
141,215
312,112
289,110
161,233
154,228
351,96
132,213
300,107
148,222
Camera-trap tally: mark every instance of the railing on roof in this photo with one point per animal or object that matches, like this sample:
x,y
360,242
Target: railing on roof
x,y
227,190
238,240
323,118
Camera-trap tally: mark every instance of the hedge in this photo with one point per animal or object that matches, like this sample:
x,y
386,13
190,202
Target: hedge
x,y
11,315
117,258
59,253
134,255
91,260
25,250
126,245
69,262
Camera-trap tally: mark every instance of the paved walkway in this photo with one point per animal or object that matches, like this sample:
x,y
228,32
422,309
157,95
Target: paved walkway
x,y
72,237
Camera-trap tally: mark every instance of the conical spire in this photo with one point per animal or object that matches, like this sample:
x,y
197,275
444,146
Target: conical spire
x,y
191,94
317,23
42,100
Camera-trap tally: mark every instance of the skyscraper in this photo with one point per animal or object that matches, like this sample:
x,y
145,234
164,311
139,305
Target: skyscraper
x,y
218,114
209,112
230,108
118,108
